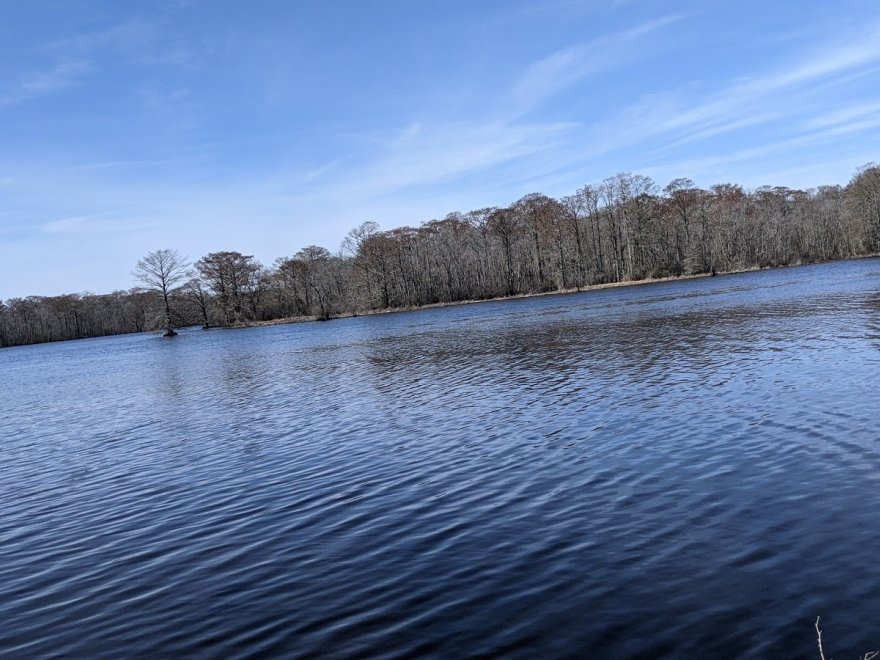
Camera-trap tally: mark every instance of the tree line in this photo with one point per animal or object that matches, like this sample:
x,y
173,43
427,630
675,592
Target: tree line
x,y
624,229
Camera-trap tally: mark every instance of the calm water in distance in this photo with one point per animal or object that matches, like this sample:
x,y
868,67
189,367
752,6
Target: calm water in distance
x,y
687,469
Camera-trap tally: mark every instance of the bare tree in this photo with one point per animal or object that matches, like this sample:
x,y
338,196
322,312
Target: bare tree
x,y
234,279
624,228
160,271
864,194
195,291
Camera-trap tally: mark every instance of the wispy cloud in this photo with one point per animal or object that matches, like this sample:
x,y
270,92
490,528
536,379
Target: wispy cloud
x,y
553,9
424,155
780,96
71,225
778,162
570,65
130,34
864,49
84,54
62,76
124,164
139,41
77,57
843,115
196,151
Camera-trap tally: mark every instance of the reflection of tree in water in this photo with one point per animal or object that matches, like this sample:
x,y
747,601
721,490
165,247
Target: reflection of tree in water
x,y
641,346
872,304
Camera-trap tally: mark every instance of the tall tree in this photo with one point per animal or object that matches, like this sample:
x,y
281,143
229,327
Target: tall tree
x,y
195,292
232,276
625,228
160,271
864,195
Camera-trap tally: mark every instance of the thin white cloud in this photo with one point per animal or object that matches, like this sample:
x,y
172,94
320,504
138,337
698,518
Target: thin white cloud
x,y
423,155
772,151
553,9
317,173
78,56
569,65
842,115
134,37
101,224
62,76
776,96
431,165
125,164
865,49
72,225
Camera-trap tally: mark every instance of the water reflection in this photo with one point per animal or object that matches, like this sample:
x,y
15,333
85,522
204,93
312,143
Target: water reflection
x,y
682,469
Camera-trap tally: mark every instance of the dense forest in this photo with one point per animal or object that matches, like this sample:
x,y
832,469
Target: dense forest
x,y
624,229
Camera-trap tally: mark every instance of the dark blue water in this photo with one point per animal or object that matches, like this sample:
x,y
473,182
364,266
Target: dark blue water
x,y
687,469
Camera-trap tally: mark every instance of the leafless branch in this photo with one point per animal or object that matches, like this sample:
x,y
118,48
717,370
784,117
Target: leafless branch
x,y
819,635
870,655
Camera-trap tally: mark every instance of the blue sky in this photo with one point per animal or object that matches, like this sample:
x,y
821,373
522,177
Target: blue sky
x,y
269,125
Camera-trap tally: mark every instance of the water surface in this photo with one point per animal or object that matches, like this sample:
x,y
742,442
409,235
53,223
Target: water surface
x,y
686,469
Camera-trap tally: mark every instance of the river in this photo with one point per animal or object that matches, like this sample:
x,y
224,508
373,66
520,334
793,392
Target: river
x,y
682,469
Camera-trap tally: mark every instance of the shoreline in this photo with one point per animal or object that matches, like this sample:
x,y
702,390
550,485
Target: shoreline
x,y
394,310
591,287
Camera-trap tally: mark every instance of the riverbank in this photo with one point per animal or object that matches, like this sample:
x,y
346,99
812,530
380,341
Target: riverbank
x,y
557,292
537,294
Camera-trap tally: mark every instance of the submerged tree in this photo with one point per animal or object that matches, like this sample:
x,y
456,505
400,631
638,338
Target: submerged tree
x,y
161,271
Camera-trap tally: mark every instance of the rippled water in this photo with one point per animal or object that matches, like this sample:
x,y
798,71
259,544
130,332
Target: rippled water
x,y
687,469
